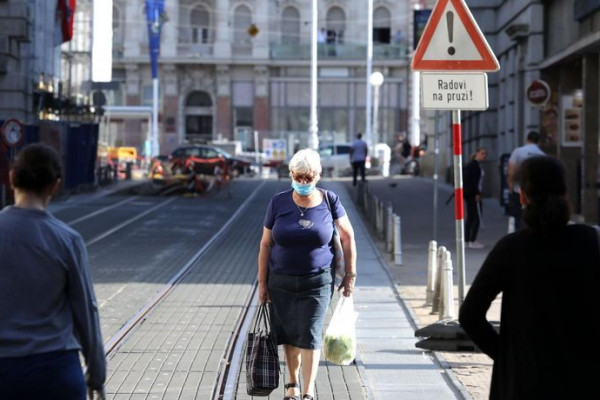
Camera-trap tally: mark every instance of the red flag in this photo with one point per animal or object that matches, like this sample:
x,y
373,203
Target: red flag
x,y
65,13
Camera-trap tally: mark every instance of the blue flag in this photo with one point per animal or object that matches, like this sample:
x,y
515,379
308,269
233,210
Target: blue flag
x,y
155,15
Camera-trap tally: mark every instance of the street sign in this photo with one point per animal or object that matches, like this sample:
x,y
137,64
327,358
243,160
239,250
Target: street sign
x,y
12,132
454,91
452,41
538,93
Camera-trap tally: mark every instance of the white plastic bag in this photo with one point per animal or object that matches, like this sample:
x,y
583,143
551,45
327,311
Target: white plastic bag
x,y
339,343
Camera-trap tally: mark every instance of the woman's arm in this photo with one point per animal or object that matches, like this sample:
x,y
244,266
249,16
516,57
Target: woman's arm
x,y
349,246
266,242
472,316
84,308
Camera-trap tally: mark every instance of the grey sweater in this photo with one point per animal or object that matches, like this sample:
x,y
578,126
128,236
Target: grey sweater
x,y
47,300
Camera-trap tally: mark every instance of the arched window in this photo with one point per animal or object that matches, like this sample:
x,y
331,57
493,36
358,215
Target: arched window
x,y
198,99
242,19
290,25
336,24
200,25
381,25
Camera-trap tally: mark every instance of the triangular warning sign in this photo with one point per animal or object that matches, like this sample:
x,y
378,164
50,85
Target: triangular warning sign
x,y
452,41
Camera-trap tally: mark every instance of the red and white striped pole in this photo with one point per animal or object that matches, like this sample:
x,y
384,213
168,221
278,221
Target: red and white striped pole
x,y
459,211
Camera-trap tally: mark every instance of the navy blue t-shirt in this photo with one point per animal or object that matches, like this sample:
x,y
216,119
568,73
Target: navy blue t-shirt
x,y
302,245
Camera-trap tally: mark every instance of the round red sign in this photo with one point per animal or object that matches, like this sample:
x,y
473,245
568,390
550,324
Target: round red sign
x,y
538,92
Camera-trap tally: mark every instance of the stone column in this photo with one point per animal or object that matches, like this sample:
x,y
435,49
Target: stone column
x,y
261,98
169,34
260,48
169,140
135,22
132,135
224,113
222,25
591,124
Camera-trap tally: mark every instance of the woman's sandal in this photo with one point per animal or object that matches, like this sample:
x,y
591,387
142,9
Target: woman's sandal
x,y
307,397
291,385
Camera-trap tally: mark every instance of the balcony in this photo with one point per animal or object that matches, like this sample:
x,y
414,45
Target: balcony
x,y
281,51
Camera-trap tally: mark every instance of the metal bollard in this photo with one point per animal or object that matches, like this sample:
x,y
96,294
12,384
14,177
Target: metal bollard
x,y
437,292
379,219
389,235
431,272
397,240
447,311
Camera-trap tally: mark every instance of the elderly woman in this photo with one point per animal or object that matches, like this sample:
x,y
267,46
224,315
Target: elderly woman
x,y
48,310
294,267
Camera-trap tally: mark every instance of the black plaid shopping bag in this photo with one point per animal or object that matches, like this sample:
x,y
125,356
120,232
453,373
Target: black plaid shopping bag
x,y
262,359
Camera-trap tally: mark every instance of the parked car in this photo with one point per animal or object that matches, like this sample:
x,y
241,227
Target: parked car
x,y
335,159
204,159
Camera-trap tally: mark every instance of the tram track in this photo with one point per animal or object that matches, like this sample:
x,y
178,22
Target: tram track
x,y
233,346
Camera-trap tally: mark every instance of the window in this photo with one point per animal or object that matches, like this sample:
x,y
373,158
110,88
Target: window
x,y
199,99
290,26
381,25
242,19
336,23
200,25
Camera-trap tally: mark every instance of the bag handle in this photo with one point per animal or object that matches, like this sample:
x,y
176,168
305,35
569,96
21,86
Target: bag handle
x,y
262,317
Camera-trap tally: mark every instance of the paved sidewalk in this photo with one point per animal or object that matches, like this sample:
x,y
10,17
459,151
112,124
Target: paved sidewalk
x,y
412,199
393,367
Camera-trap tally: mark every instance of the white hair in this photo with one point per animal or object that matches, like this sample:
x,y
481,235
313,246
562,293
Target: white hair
x,y
305,161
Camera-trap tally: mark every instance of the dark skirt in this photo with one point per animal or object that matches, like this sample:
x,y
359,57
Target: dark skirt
x,y
56,375
298,307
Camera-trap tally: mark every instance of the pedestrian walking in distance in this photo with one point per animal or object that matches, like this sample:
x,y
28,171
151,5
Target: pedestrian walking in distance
x,y
48,310
473,186
295,273
358,158
520,154
549,275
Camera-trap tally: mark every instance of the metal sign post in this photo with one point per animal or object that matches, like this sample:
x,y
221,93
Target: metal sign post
x,y
459,211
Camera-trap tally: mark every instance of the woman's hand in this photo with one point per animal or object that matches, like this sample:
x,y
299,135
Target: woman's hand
x,y
263,293
347,285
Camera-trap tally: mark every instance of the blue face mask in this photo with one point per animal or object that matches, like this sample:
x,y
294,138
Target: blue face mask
x,y
303,189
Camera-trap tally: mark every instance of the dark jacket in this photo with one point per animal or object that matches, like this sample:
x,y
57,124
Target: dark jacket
x,y
547,347
472,175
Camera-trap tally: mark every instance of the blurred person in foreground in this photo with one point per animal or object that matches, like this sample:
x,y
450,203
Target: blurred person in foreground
x,y
294,267
48,310
548,274
473,186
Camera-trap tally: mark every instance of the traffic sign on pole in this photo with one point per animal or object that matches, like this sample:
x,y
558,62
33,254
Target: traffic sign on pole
x,y
452,41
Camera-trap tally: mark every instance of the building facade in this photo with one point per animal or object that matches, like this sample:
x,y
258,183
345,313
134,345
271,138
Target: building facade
x,y
556,42
228,68
45,61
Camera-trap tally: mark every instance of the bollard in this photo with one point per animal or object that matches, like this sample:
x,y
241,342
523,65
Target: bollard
x,y
397,240
431,272
437,284
511,224
447,311
379,224
389,236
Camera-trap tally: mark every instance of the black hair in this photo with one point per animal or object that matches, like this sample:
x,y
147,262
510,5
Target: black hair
x,y
544,181
36,168
533,137
359,135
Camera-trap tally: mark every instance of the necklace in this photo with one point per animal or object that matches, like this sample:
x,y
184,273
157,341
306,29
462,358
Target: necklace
x,y
301,210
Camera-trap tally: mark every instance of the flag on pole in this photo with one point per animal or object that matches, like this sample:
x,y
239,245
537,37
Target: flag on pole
x,y
65,14
155,16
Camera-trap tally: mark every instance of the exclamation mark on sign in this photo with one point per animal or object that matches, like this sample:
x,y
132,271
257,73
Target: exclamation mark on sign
x,y
450,21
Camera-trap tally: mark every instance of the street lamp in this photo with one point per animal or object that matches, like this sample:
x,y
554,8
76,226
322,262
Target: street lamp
x,y
376,80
